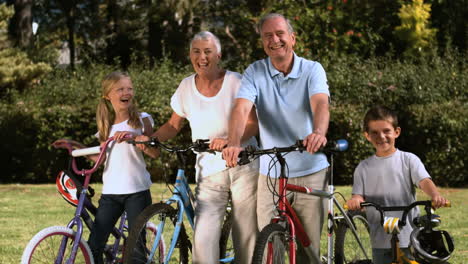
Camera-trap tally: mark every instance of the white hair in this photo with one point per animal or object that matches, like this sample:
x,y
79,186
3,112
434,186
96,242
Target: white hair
x,y
270,16
205,35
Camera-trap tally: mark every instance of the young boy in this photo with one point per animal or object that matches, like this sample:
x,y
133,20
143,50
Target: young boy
x,y
388,178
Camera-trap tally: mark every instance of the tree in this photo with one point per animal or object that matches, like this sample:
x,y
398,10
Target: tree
x,y
414,28
17,71
21,23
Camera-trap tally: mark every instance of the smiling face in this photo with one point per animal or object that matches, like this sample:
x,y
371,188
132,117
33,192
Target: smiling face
x,y
277,41
121,94
204,56
382,135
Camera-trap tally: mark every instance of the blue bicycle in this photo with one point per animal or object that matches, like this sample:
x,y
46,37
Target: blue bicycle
x,y
168,217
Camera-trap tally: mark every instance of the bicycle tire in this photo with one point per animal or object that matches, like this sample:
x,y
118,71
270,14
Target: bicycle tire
x,y
138,252
226,248
347,250
44,247
276,236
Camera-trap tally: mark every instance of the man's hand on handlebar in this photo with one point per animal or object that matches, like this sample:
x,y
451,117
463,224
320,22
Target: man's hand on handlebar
x,y
231,154
314,141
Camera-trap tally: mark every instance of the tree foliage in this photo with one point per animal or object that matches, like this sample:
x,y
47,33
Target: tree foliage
x,y
16,69
415,29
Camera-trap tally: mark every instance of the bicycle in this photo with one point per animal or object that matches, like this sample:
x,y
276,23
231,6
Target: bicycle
x,y
59,244
277,242
427,245
168,216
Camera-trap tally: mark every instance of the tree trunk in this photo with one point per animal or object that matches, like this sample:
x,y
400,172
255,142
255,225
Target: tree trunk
x,y
21,26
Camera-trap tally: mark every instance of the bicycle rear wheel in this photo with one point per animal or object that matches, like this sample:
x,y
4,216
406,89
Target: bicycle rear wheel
x,y
141,242
44,247
272,245
347,249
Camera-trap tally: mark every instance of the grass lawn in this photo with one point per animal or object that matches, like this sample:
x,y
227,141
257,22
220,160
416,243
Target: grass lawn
x,y
26,209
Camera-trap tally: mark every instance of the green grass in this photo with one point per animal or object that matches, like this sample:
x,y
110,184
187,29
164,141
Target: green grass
x,y
26,209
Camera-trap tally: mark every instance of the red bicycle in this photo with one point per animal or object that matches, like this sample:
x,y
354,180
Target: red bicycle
x,y
277,242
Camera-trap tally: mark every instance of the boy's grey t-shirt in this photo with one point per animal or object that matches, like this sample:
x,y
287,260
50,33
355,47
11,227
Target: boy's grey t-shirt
x,y
389,181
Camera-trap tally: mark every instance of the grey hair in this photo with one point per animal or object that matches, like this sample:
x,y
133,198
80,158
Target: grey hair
x,y
270,16
205,35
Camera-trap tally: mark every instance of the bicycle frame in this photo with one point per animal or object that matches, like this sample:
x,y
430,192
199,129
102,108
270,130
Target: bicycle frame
x,y
183,197
80,211
295,226
287,214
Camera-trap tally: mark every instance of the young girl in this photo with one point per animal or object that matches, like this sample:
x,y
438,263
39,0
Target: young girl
x,y
126,181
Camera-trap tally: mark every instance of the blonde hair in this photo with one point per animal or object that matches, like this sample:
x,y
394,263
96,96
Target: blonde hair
x,y
105,114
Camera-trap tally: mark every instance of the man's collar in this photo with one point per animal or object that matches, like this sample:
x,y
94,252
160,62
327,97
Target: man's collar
x,y
294,71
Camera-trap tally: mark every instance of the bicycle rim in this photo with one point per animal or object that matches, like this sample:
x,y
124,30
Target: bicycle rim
x,y
347,249
156,222
272,245
44,247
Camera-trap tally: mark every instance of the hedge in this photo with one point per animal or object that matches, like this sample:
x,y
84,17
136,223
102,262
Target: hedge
x,y
430,98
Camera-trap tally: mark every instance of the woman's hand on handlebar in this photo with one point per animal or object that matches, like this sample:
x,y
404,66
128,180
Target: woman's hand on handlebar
x,y
142,147
218,144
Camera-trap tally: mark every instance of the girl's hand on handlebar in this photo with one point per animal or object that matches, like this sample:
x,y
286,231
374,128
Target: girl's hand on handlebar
x,y
354,203
120,136
218,144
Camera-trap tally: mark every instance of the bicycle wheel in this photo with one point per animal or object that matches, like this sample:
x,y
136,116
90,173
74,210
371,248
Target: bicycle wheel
x,y
272,245
347,249
140,242
226,248
44,247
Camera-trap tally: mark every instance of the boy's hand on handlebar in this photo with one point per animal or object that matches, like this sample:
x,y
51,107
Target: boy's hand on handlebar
x,y
218,144
355,202
231,154
314,141
439,201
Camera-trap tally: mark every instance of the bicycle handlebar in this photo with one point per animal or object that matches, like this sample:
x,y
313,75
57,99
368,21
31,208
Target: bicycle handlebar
x,y
200,145
250,152
381,209
86,151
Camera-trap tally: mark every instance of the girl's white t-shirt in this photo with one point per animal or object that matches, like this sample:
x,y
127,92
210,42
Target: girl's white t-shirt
x,y
125,168
208,117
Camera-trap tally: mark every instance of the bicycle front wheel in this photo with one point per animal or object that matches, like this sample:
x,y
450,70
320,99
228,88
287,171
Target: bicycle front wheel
x,y
226,247
272,245
347,249
156,221
44,247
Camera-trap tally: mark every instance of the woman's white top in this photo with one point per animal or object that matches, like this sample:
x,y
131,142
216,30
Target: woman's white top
x,y
208,117
125,168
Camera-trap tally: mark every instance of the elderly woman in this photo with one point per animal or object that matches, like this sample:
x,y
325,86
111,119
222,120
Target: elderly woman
x,y
205,99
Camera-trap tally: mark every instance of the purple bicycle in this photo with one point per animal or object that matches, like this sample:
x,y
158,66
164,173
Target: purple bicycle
x,y
60,244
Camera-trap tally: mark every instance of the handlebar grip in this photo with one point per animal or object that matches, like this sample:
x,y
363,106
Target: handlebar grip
x,y
86,151
447,204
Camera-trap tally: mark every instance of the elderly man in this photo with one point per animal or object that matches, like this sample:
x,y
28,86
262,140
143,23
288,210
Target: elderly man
x,y
292,101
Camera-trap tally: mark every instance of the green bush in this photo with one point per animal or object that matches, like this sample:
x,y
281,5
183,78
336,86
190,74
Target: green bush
x,y
430,98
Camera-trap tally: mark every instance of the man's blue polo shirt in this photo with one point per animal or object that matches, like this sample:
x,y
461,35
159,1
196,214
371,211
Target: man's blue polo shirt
x,y
283,109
